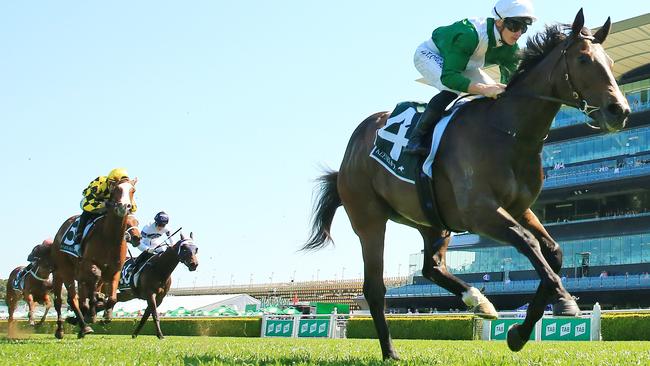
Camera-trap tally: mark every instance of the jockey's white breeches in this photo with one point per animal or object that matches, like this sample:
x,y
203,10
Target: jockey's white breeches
x,y
428,62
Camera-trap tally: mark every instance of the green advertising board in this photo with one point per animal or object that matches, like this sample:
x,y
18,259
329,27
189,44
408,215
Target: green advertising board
x,y
278,328
328,308
566,329
499,328
313,328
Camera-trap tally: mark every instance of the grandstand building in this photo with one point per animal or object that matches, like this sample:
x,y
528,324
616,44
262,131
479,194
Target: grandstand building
x,y
595,202
293,293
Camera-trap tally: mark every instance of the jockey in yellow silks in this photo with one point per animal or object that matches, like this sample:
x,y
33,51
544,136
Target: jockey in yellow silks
x,y
93,203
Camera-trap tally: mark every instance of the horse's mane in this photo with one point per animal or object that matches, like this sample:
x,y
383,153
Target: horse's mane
x,y
538,46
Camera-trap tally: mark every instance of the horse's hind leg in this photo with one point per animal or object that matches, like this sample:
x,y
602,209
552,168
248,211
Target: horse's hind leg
x,y
145,316
519,334
48,304
57,287
73,302
368,218
435,269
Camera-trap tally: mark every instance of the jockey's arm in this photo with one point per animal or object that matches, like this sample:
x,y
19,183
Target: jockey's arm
x,y
145,243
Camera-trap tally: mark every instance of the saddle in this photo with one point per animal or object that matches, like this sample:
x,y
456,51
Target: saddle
x,y
68,245
132,268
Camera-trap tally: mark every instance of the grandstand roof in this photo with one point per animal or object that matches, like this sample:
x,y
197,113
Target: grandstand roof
x,y
199,302
628,44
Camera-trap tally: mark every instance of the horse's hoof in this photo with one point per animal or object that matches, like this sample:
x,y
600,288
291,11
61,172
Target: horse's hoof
x,y
391,356
58,334
133,336
566,307
160,336
515,341
486,310
86,330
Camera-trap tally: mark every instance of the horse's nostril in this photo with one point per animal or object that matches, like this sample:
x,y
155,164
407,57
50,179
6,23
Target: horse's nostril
x,y
618,110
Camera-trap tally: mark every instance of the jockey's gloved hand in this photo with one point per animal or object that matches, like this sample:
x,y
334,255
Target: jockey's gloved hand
x,y
488,90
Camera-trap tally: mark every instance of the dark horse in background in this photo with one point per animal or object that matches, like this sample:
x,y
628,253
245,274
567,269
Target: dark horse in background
x,y
487,174
155,279
102,257
36,286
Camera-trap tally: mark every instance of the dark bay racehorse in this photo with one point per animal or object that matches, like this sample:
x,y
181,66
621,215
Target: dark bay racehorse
x,y
36,288
487,174
155,279
103,254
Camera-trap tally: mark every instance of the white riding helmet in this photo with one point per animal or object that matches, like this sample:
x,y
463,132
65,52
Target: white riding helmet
x,y
514,9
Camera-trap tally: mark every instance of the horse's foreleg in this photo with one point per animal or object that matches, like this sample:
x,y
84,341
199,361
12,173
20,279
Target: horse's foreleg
x,y
11,301
503,227
57,286
48,304
31,305
110,287
154,313
519,334
435,269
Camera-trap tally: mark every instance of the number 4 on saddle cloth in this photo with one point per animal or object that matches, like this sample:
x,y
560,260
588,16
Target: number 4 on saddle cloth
x,y
394,136
414,169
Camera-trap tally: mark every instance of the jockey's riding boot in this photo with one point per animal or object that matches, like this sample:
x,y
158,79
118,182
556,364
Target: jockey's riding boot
x,y
83,220
428,119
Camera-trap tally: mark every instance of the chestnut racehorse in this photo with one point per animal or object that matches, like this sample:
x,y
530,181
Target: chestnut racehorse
x,y
36,288
103,254
486,175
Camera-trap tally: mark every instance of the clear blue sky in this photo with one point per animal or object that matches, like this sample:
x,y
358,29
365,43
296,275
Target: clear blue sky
x,y
225,111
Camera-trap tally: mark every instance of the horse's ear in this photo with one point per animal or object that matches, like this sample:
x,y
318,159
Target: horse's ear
x,y
602,33
182,236
578,23
192,235
134,181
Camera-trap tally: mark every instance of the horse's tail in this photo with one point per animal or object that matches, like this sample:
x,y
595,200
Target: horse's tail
x,y
327,202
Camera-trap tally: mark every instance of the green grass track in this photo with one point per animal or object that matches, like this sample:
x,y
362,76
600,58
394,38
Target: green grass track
x,y
148,350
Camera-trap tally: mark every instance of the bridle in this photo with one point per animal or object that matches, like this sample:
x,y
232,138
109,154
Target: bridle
x,y
127,234
578,102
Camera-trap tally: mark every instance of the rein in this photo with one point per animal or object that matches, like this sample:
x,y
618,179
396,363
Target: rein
x,y
33,273
579,102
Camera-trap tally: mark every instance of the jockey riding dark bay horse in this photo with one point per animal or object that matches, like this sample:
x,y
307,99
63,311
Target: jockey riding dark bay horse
x,y
103,249
486,175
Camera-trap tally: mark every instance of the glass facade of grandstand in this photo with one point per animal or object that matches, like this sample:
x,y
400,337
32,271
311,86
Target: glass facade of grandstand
x,y
607,251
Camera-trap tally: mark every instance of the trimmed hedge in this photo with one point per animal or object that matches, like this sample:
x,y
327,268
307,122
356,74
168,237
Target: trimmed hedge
x,y
625,327
214,327
420,327
615,327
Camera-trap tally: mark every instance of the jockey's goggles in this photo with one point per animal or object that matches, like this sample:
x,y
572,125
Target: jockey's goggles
x,y
517,24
